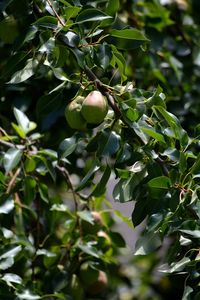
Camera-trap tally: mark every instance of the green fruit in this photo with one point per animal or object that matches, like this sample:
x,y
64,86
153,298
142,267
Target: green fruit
x,y
99,285
88,274
73,114
89,228
75,289
94,108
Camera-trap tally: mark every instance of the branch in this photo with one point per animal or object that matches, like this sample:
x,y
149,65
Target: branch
x,y
13,180
7,144
66,176
163,166
56,14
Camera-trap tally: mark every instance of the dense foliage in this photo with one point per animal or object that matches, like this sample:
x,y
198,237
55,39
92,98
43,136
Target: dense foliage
x,y
57,235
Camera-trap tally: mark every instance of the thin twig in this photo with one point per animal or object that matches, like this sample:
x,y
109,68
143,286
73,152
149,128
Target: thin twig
x,y
55,12
13,180
7,144
66,176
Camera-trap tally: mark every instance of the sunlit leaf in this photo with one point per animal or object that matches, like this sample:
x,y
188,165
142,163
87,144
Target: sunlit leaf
x,y
12,158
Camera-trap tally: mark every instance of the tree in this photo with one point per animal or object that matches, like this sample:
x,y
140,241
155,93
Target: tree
x,y
57,236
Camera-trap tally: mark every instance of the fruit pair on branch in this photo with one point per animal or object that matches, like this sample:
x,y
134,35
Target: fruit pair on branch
x,y
83,111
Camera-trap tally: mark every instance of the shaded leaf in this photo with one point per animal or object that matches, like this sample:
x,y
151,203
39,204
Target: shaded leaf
x,y
94,168
148,243
161,182
66,147
100,188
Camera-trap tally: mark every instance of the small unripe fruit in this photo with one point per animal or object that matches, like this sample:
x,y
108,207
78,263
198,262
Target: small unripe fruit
x,y
99,285
88,274
75,289
94,108
73,114
89,228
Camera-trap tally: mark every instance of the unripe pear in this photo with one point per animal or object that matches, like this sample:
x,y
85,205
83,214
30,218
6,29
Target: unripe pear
x,y
88,274
99,285
94,108
73,114
75,289
89,228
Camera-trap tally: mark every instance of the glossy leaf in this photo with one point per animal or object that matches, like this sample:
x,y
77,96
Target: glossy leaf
x,y
100,188
91,15
25,73
7,206
12,158
127,38
94,168
66,147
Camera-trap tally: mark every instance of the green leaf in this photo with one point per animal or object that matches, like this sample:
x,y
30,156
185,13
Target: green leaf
x,y
29,189
86,216
119,60
18,130
10,278
100,188
9,29
7,258
148,243
109,143
23,121
191,233
43,191
80,57
155,135
71,39
112,7
175,266
161,182
25,73
91,15
67,147
173,122
195,169
27,295
131,34
94,168
127,38
7,206
103,55
47,22
88,248
11,159
71,11
124,189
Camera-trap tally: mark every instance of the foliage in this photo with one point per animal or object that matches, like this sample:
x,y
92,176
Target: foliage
x,y
144,57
